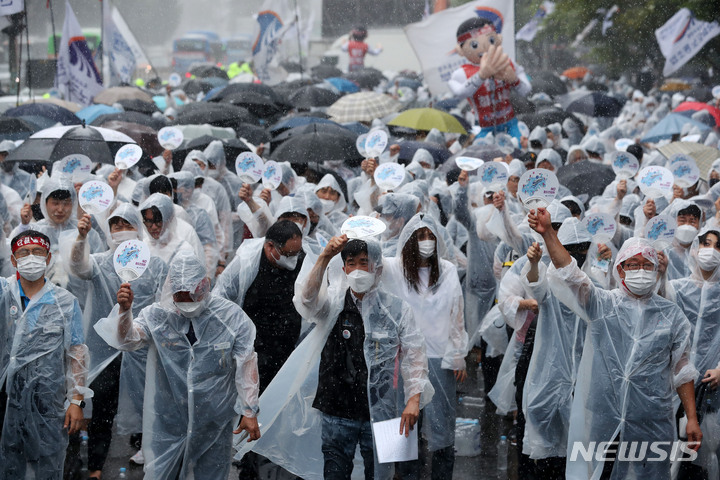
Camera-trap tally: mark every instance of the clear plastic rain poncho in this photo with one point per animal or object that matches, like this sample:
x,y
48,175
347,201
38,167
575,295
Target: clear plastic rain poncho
x,y
334,210
480,282
202,222
680,262
60,234
291,432
395,210
636,353
698,299
43,363
101,283
193,393
551,375
215,154
213,189
24,183
438,313
170,241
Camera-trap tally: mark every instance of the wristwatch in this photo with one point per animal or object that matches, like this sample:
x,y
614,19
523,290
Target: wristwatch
x,y
79,403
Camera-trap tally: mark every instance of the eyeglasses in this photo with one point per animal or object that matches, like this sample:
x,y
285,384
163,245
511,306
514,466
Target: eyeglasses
x,y
150,222
633,267
24,252
284,254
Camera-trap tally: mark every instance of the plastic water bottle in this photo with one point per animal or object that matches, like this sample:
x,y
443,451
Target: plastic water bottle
x,y
84,452
502,454
472,401
467,437
122,473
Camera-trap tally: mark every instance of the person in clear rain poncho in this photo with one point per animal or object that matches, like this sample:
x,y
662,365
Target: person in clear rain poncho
x,y
201,374
395,210
637,352
558,343
697,296
430,285
332,199
58,203
260,279
345,368
12,176
196,163
100,285
43,365
162,237
184,186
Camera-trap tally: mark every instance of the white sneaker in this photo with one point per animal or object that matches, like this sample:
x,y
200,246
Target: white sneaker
x,y
138,458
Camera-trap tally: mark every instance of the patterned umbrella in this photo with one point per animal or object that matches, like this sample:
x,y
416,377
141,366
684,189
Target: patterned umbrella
x,y
362,107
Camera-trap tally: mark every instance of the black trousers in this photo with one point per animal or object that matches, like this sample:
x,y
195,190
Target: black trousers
x,y
106,389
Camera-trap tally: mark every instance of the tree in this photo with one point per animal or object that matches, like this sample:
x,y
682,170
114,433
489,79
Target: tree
x,y
631,40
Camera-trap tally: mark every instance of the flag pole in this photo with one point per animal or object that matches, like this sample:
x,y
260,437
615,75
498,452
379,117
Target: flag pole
x,y
27,45
297,27
18,72
52,23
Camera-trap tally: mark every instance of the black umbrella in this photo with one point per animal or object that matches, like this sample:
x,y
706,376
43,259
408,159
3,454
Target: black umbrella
x,y
595,86
219,115
13,128
323,71
408,149
699,93
231,146
311,96
55,143
47,110
366,77
521,104
592,104
260,88
546,116
317,148
586,177
547,82
135,105
484,152
203,71
257,104
253,133
197,85
329,128
131,117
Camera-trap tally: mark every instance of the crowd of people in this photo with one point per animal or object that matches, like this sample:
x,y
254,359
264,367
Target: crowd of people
x,y
258,317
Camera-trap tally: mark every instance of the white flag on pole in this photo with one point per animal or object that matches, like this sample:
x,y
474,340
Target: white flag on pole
x,y
77,77
682,37
607,21
433,39
530,29
274,20
122,50
10,7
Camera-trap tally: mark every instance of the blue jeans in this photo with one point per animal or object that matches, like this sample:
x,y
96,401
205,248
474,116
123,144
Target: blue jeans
x,y
339,439
510,127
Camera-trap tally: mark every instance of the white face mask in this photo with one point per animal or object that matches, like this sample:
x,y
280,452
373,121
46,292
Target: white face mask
x,y
685,234
190,309
328,205
708,259
640,282
213,173
123,236
360,281
426,248
31,267
288,263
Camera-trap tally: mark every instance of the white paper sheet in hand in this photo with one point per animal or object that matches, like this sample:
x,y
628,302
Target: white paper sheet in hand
x,y
390,445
